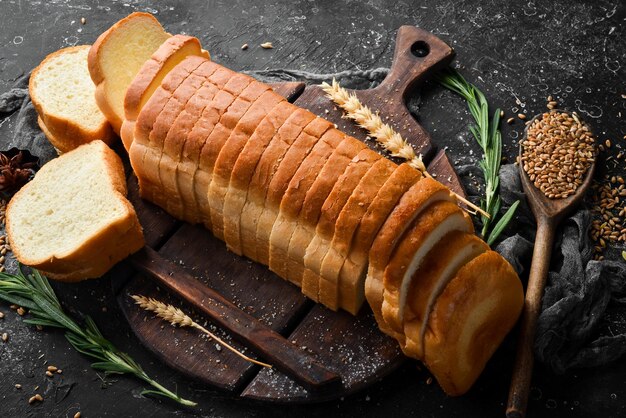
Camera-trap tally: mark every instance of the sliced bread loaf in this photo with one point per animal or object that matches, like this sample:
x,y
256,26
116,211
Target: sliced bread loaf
x,y
73,220
63,95
117,56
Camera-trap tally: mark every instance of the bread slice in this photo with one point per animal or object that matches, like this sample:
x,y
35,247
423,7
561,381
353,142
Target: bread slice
x,y
63,95
430,227
348,221
331,209
470,319
243,171
149,77
195,141
261,99
413,202
353,271
230,154
258,190
279,163
117,56
441,264
294,197
188,153
144,153
166,141
73,220
223,117
304,231
202,91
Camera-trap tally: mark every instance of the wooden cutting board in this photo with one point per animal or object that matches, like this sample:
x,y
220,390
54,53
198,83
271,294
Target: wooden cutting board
x,y
351,346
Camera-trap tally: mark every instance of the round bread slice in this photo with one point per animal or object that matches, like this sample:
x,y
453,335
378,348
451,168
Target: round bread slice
x,y
429,228
117,56
63,95
439,267
476,310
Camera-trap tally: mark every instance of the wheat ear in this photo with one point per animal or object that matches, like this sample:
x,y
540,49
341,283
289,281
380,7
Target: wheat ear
x,y
382,132
176,316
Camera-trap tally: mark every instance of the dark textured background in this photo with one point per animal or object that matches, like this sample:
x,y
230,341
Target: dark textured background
x,y
517,52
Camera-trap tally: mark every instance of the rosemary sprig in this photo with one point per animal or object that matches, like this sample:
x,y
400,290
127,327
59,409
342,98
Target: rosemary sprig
x,y
33,291
487,134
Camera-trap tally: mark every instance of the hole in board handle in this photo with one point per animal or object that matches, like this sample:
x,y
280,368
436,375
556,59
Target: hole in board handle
x,y
420,49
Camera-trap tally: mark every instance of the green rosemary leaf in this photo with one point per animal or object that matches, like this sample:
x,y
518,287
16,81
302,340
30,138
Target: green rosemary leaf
x,y
111,368
56,315
42,322
16,300
502,223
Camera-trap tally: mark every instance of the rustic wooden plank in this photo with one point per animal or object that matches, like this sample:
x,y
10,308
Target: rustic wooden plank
x,y
351,346
250,286
442,169
274,348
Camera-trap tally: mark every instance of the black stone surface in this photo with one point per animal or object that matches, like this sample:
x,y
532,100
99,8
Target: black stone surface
x,y
517,52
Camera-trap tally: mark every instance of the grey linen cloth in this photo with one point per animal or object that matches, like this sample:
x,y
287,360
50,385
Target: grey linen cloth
x,y
583,298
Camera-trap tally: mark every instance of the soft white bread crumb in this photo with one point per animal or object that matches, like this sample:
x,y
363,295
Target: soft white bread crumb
x,y
63,95
73,220
116,57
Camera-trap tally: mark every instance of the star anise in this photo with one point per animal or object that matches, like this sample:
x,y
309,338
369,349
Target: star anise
x,y
17,167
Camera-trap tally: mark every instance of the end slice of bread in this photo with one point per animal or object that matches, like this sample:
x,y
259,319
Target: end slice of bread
x,y
471,317
117,56
73,221
63,95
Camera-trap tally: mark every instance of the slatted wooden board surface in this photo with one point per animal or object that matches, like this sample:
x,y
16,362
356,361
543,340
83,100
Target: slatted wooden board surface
x,y
351,346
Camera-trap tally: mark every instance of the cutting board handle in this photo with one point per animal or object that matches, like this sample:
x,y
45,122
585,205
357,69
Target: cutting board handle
x,y
417,55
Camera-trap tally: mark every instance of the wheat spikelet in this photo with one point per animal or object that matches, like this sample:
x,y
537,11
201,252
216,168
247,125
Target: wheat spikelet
x,y
175,316
382,132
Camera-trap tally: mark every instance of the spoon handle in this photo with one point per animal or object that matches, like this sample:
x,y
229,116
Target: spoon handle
x,y
522,372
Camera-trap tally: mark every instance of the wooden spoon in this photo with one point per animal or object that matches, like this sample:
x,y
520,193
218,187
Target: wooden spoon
x,y
548,213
